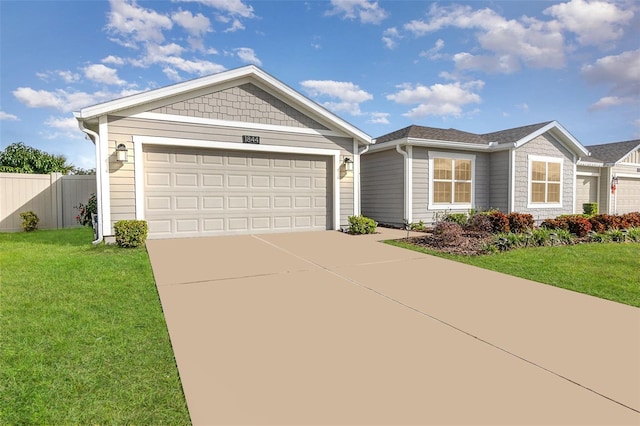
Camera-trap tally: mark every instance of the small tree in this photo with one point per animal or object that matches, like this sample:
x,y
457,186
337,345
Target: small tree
x,y
20,158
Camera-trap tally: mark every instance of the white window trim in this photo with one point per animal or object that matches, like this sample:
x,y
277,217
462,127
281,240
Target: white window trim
x,y
540,158
453,156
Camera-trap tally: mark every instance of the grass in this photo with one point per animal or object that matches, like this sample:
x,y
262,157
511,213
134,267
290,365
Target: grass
x,y
610,271
82,334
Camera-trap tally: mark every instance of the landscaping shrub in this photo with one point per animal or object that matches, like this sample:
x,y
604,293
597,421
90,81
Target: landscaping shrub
x,y
130,233
85,211
499,222
577,225
590,208
634,234
609,222
420,226
556,224
361,225
29,221
459,218
479,222
632,219
520,222
448,232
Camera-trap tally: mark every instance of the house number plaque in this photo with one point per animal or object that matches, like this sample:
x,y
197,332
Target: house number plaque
x,y
250,139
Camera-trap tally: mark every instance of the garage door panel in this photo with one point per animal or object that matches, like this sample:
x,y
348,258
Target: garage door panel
x,y
212,192
628,195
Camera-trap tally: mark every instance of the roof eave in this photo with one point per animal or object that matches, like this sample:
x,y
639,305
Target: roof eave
x,y
94,111
573,144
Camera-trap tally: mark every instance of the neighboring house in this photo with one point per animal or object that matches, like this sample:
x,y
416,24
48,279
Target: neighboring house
x,y
231,153
417,172
610,165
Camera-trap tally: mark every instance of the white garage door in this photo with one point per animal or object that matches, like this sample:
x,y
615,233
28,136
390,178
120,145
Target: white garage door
x,y
196,192
586,191
628,195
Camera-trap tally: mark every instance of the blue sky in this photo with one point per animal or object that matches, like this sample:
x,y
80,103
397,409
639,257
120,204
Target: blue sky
x,y
477,66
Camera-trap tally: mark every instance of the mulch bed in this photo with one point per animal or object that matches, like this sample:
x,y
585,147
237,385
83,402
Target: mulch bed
x,y
469,244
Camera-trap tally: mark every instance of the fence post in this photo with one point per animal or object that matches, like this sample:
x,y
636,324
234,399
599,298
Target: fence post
x,y
56,198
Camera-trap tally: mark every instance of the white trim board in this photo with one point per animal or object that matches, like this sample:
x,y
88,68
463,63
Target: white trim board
x,y
139,141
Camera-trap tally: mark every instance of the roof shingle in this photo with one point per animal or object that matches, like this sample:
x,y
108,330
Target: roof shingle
x,y
611,152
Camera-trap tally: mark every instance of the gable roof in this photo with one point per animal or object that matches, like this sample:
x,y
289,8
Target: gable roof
x,y
251,71
453,138
612,152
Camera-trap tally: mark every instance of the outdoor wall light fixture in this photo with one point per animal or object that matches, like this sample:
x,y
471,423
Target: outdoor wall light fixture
x,y
348,164
122,153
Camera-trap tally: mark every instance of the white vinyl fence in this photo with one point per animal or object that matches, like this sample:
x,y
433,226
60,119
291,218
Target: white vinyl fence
x,y
52,197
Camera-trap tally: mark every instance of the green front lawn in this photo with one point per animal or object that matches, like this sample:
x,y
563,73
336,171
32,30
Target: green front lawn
x,y
82,335
609,271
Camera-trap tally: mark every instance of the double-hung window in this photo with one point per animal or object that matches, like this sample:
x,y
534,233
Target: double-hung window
x,y
451,180
545,182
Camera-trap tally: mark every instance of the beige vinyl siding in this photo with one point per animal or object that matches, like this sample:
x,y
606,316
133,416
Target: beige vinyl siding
x,y
499,181
544,146
382,186
633,158
628,192
122,129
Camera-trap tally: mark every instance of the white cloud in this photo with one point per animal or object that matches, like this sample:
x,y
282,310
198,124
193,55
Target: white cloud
x,y
349,96
248,56
235,26
434,52
67,124
390,37
621,73
438,99
63,100
8,117
102,74
113,60
510,43
131,23
379,118
196,25
367,11
595,23
172,74
65,75
232,7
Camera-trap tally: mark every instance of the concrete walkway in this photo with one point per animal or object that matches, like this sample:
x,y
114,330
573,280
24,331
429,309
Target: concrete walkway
x,y
332,329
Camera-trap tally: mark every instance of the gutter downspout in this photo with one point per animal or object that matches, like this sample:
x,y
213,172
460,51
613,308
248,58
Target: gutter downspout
x,y
95,138
407,185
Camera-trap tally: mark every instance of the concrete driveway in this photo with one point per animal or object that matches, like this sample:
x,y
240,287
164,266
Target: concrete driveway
x,y
330,329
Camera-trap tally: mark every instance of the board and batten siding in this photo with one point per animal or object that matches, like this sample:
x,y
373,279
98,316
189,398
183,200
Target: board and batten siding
x,y
499,181
122,129
545,146
382,186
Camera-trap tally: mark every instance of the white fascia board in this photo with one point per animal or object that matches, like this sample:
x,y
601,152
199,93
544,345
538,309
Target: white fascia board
x,y
573,144
234,124
626,155
590,163
432,143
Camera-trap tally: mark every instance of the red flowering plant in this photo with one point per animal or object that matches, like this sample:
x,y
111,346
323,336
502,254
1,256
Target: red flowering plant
x,y
85,211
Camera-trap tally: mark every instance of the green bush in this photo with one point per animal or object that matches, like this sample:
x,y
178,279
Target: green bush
x,y
420,226
85,211
459,218
130,233
360,225
590,208
29,221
